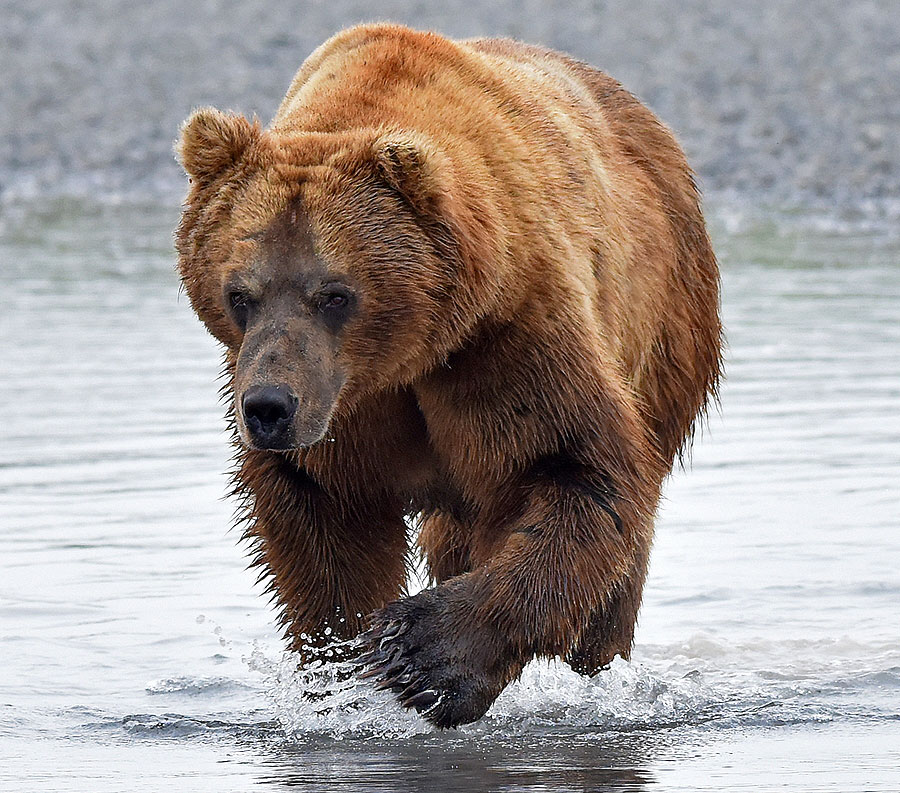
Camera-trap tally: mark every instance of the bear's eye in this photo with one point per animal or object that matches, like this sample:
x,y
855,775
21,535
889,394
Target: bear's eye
x,y
334,298
334,303
240,305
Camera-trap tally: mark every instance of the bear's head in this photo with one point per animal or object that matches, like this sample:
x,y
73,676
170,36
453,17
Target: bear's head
x,y
329,265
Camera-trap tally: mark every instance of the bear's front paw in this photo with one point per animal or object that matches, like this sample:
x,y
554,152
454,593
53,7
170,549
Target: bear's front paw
x,y
435,660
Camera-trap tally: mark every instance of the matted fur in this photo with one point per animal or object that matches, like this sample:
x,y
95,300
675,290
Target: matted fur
x,y
538,332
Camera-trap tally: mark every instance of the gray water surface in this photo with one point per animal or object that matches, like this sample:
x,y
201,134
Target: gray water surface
x,y
137,653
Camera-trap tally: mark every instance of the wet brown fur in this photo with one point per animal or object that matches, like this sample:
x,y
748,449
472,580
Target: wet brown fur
x,y
538,335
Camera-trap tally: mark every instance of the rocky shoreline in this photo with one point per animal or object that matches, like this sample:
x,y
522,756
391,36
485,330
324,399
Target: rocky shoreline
x,y
778,102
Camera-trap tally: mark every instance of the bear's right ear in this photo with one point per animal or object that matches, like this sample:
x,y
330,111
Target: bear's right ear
x,y
212,141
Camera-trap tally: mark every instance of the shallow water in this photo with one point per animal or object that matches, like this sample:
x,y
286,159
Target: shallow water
x,y
138,654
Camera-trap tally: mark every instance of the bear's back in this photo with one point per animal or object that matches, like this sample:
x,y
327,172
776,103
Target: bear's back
x,y
593,194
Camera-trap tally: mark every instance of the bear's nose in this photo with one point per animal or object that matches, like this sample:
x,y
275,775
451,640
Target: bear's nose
x,y
268,412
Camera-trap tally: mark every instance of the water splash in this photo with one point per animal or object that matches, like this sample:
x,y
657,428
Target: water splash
x,y
624,696
701,682
326,698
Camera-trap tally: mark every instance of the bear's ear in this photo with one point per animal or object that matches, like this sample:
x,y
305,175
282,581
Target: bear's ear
x,y
416,170
212,141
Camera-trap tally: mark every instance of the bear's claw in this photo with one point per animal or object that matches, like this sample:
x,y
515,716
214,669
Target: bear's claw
x,y
423,700
415,650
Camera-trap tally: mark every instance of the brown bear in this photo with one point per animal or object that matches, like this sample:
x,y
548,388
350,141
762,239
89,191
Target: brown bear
x,y
466,283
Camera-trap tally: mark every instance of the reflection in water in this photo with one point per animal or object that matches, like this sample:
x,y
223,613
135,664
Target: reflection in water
x,y
135,644
580,762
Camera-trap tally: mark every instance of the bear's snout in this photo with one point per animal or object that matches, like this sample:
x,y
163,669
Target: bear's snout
x,y
268,415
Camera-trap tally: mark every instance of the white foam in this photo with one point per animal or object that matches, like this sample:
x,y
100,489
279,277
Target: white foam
x,y
326,698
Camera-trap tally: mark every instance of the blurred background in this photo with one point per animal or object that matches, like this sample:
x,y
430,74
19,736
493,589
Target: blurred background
x,y
781,101
135,649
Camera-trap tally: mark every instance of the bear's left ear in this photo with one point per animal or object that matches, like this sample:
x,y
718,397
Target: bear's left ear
x,y
212,141
463,224
416,169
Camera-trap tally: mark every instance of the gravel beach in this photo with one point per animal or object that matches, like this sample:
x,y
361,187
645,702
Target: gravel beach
x,y
784,102
781,102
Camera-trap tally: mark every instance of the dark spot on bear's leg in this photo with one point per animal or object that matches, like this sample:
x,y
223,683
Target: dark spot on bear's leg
x,y
565,471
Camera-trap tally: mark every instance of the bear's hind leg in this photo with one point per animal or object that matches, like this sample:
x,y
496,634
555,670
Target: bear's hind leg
x,y
443,542
610,631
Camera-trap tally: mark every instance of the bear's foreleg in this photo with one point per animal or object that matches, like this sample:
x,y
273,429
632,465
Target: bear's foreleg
x,y
450,650
333,554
